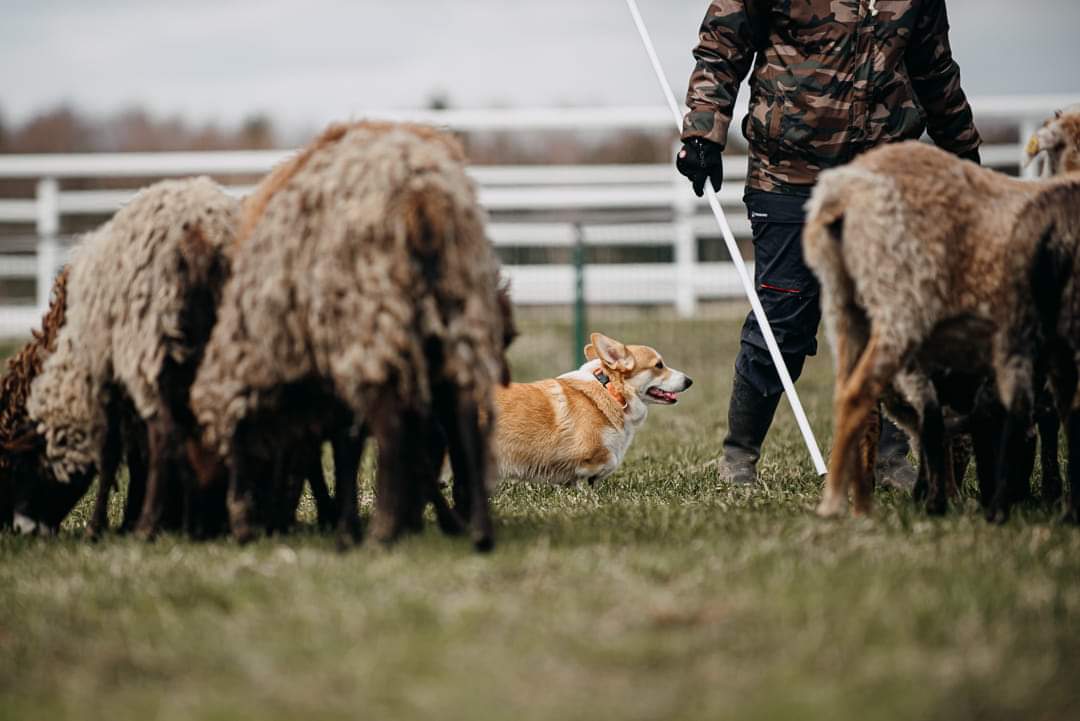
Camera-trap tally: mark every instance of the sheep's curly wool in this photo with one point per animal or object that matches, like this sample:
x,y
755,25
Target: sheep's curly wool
x,y
925,238
18,436
920,270
130,288
355,260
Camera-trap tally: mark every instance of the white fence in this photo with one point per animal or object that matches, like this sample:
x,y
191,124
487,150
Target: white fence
x,y
567,198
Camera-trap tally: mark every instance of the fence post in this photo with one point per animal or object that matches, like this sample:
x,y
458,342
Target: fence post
x,y
685,249
579,296
48,226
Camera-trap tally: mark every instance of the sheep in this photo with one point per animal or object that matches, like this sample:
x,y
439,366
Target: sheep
x,y
920,273
1053,215
142,294
29,496
1055,147
362,300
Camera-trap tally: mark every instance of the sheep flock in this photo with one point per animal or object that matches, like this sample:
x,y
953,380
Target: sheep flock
x,y
215,346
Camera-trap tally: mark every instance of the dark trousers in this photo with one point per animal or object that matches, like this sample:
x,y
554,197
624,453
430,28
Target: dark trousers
x,y
788,291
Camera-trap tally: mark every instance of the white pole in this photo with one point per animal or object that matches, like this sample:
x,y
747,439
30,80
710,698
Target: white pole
x,y
736,258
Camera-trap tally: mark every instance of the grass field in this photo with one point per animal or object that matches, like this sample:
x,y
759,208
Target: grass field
x,y
659,594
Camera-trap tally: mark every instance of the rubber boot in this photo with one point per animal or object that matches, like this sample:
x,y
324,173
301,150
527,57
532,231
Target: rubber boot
x,y
749,416
893,468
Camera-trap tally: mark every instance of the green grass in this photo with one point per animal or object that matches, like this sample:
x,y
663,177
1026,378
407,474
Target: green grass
x,y
658,594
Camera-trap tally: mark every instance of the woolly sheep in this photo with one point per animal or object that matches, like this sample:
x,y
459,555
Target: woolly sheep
x,y
919,273
363,299
142,293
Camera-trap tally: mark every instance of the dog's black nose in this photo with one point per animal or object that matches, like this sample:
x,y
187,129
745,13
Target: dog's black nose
x,y
689,382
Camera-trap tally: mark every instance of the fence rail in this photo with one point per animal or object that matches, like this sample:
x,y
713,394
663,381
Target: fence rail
x,y
531,206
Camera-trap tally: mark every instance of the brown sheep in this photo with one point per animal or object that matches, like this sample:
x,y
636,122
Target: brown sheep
x,y
1053,215
1056,145
143,290
920,274
30,495
363,298
28,492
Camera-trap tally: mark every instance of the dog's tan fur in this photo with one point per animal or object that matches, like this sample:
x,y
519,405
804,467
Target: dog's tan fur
x,y
573,428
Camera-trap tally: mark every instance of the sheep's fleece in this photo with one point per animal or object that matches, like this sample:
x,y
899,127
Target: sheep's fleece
x,y
127,294
355,256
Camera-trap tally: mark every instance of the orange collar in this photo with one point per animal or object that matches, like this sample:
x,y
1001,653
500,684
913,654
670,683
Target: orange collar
x,y
618,397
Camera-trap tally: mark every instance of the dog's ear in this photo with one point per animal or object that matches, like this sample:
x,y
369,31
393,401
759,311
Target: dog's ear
x,y
590,352
611,352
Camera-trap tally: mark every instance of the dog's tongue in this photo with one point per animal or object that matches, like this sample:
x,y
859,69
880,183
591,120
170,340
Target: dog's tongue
x,y
662,394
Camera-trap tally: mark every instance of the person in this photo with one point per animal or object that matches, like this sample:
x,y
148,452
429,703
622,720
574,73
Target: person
x,y
829,79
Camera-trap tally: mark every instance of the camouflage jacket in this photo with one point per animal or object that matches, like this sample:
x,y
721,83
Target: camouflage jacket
x,y
833,78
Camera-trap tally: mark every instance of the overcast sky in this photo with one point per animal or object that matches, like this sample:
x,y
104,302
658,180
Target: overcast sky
x,y
309,62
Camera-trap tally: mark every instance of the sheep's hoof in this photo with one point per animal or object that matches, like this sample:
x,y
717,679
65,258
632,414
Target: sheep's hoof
x,y
145,533
861,510
484,544
996,515
243,535
348,536
831,506
344,542
382,531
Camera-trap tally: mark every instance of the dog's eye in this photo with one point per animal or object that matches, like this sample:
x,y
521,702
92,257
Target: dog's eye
x,y
659,364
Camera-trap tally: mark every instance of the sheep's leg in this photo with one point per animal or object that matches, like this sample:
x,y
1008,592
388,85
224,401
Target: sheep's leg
x,y
934,457
1049,425
1021,463
348,449
110,461
135,442
867,461
397,482
467,441
448,519
240,497
1072,429
998,512
856,396
163,460
426,467
325,506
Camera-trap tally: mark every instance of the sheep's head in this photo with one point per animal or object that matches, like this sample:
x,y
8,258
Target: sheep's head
x,y
1056,145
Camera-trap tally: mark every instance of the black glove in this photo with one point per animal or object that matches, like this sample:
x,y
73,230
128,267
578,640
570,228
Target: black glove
x,y
700,159
972,155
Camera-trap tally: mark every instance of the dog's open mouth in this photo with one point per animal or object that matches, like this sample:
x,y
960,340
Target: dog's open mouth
x,y
662,396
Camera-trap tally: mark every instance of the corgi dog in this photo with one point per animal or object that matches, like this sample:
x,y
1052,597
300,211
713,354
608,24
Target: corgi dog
x,y
579,426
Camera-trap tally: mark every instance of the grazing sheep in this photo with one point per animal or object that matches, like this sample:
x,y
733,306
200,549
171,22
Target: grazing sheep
x,y
363,299
29,495
1053,215
920,273
143,290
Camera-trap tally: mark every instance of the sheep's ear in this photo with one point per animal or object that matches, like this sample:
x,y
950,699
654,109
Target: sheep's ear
x,y
612,353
